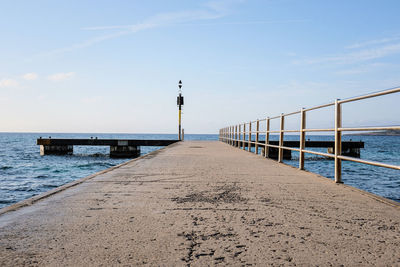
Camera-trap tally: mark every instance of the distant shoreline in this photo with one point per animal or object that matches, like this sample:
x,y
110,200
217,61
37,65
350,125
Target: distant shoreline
x,y
381,133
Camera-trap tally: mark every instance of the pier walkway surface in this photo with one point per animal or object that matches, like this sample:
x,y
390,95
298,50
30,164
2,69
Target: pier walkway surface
x,y
203,203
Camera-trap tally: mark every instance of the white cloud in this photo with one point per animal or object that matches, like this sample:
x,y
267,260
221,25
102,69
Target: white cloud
x,y
373,42
356,56
8,83
61,76
30,76
251,22
365,68
212,10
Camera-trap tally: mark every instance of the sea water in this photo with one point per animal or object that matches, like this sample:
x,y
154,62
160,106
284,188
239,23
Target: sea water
x,y
24,173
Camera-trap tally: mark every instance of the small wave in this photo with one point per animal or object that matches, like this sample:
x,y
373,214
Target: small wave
x,y
95,164
390,185
42,176
59,171
5,201
5,167
24,189
319,159
95,155
47,186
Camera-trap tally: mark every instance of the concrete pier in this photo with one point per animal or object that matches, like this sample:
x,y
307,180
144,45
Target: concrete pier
x,y
199,204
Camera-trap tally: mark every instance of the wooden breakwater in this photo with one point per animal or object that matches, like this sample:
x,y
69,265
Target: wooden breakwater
x,y
119,148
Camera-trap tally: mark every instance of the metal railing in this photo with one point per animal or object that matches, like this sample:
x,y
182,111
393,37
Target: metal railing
x,y
236,134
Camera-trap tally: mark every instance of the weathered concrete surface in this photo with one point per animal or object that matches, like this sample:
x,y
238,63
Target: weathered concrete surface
x,y
203,203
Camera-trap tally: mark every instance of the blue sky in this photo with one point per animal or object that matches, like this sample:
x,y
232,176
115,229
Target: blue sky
x,y
113,66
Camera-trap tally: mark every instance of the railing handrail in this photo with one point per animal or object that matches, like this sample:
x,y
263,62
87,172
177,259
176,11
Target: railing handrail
x,y
236,134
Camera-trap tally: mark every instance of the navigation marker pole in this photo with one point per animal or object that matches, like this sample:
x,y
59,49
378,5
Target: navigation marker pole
x,y
180,104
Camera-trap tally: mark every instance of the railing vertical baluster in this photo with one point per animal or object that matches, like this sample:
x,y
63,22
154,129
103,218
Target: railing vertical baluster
x,y
233,136
244,136
257,136
230,135
249,148
228,132
280,154
302,138
266,151
338,142
225,135
240,135
236,135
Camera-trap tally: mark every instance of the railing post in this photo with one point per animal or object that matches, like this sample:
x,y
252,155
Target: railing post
x,y
236,135
230,135
338,142
257,136
225,135
249,148
244,136
266,151
240,135
302,138
233,136
280,154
